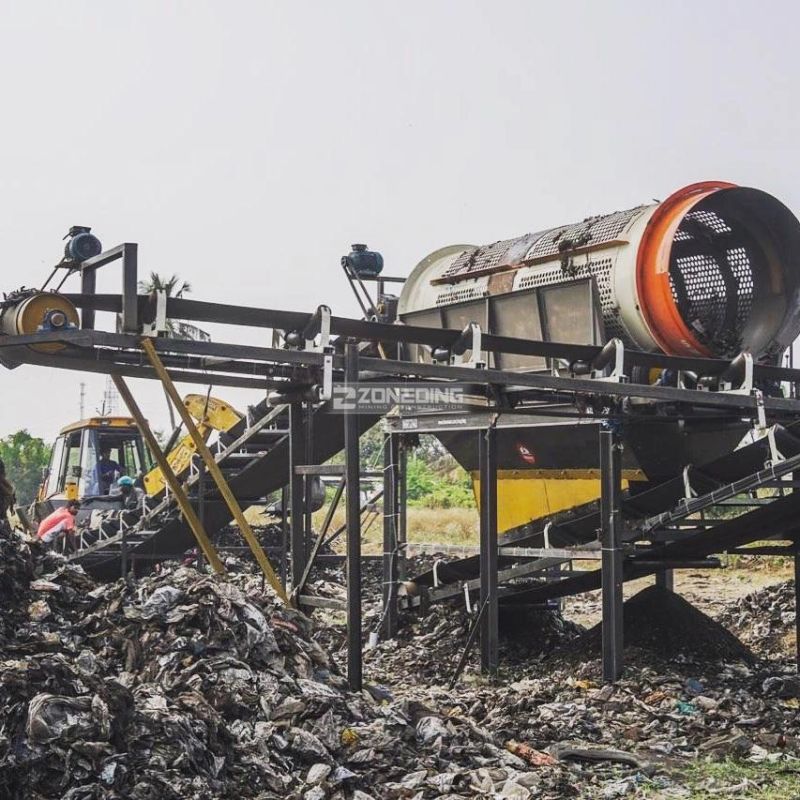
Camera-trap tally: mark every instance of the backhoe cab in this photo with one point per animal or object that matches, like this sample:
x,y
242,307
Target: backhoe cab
x,y
88,458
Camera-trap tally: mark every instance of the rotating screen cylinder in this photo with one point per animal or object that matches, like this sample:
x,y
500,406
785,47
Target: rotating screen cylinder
x,y
711,271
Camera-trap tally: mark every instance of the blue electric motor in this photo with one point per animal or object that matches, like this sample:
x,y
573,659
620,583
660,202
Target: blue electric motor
x,y
362,262
81,244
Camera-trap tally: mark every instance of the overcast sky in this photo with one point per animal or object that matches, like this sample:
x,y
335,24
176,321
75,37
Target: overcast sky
x,y
245,145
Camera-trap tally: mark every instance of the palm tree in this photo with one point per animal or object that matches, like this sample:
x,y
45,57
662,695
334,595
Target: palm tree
x,y
173,286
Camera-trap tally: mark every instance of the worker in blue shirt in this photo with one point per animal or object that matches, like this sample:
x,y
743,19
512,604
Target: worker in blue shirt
x,y
106,471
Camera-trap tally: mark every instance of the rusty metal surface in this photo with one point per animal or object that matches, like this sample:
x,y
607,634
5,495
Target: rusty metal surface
x,y
564,240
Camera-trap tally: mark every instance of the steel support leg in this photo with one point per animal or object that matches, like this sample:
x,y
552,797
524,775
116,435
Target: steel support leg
x,y
124,551
402,508
488,550
284,534
666,579
130,287
201,506
610,478
390,552
88,287
797,607
353,475
309,459
297,510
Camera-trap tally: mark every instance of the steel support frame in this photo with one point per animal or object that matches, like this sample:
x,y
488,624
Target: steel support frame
x,y
215,472
489,606
390,538
201,492
297,452
174,484
353,506
308,458
547,385
612,554
128,303
797,604
203,311
284,536
665,578
402,511
128,254
99,362
314,556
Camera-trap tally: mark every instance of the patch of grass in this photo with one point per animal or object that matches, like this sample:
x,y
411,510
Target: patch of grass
x,y
710,780
451,526
457,526
756,563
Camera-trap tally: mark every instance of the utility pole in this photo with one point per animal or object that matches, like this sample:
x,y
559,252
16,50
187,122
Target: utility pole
x,y
83,399
110,398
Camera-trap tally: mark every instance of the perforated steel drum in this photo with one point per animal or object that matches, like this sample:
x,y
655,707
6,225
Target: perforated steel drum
x,y
711,271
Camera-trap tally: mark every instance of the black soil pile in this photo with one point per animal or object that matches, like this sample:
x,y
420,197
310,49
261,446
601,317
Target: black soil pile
x,y
533,633
661,622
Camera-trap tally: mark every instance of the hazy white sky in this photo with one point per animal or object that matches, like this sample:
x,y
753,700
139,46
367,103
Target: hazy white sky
x,y
245,145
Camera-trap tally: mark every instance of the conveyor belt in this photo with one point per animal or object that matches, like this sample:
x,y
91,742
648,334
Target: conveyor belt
x,y
779,518
579,525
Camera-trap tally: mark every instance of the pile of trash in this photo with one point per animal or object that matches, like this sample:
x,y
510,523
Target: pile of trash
x,y
187,685
690,690
428,648
667,711
639,731
765,619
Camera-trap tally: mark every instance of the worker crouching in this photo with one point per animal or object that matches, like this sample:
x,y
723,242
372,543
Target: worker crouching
x,y
58,525
132,499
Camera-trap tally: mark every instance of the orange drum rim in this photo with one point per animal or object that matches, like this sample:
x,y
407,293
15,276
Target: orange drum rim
x,y
656,303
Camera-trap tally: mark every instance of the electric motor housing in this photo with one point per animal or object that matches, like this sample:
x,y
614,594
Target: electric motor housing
x,y
363,262
81,244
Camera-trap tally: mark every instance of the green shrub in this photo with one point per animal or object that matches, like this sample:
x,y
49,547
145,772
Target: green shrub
x,y
433,490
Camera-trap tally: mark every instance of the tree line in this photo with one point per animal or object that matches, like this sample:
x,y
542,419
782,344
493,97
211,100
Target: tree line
x,y
25,457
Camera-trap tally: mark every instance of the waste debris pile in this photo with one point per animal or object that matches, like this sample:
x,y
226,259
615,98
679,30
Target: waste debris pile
x,y
187,685
690,691
765,619
640,733
429,647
